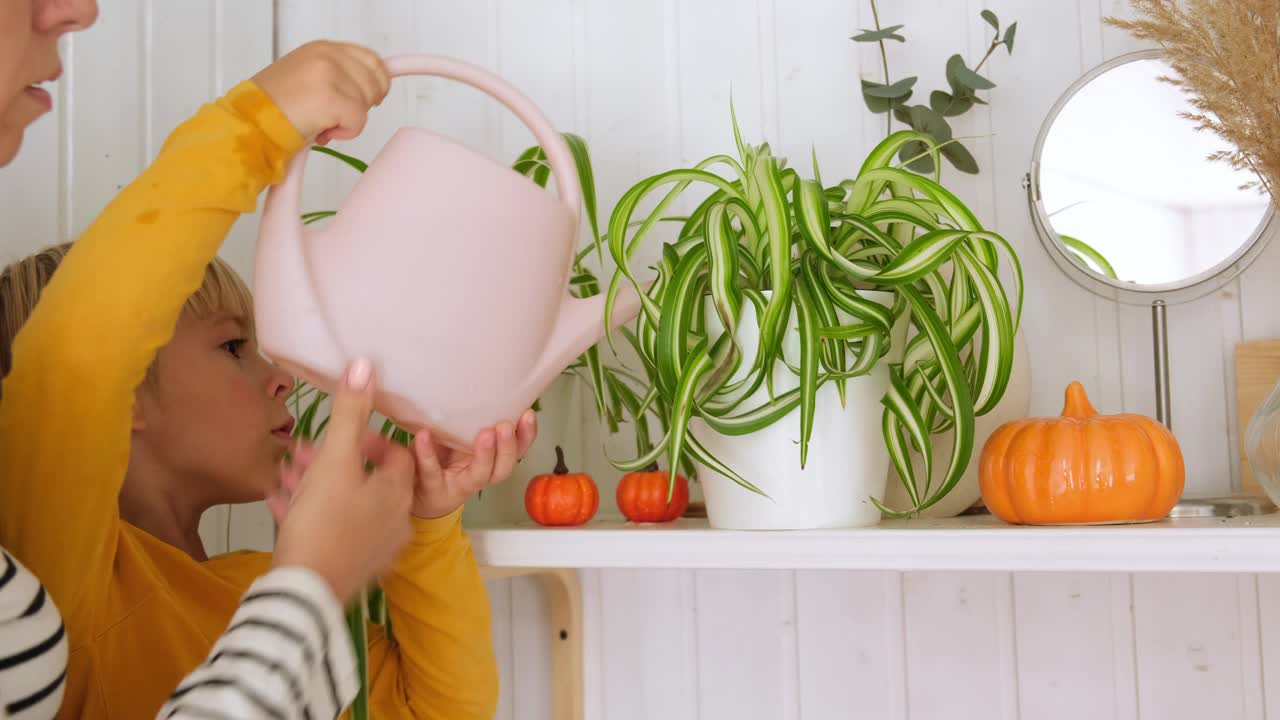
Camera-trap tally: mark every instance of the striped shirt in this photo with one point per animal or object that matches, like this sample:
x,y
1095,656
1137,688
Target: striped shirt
x,y
33,646
286,654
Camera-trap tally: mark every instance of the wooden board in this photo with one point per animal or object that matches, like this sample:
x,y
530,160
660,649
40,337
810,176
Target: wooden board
x,y
1257,372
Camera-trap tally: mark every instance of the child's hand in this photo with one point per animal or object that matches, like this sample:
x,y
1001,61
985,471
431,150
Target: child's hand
x,y
346,525
326,88
446,477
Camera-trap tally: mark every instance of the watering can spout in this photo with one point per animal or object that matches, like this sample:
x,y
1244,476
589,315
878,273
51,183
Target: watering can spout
x,y
290,325
580,325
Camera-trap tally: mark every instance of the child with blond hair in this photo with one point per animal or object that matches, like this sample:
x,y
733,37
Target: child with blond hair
x,y
135,399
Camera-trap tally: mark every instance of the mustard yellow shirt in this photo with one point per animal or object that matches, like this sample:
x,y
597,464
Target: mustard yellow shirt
x,y
141,614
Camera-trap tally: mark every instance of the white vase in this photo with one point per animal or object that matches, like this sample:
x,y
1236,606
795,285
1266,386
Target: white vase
x,y
1015,405
847,459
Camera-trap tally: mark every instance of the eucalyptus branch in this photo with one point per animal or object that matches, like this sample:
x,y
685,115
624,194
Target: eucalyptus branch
x,y
884,63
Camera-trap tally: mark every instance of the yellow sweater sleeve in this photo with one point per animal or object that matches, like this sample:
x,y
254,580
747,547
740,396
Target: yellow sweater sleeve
x,y
441,664
66,407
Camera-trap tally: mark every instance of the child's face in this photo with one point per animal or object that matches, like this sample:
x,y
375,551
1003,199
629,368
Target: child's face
x,y
29,32
214,413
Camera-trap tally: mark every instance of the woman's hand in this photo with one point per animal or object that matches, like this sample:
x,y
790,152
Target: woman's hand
x,y
338,520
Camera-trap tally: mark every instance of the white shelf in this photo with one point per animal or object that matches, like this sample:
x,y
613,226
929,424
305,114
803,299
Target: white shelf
x,y
1249,544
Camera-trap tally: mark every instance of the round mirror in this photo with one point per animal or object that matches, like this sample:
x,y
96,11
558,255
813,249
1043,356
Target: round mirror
x,y
1126,199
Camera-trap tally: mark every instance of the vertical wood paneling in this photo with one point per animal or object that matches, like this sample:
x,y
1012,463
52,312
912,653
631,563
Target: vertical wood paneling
x,y
811,113
845,621
720,57
1066,667
594,653
531,634
1252,679
953,646
500,610
650,614
1189,647
1269,639
107,125
746,644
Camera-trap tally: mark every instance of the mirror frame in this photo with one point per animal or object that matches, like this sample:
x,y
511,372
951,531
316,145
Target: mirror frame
x,y
1181,291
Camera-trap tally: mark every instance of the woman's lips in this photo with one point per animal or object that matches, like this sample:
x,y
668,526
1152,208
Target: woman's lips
x,y
40,95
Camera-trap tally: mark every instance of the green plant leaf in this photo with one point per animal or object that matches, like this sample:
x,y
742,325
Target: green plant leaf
x,y
868,311
623,249
763,416
896,91
1008,37
957,105
356,163
939,100
957,387
879,105
921,257
677,316
889,33
951,205
587,181
722,249
991,19
862,194
310,217
922,163
808,323
682,407
701,454
778,226
1088,254
958,155
926,120
814,221
907,414
357,617
964,77
995,361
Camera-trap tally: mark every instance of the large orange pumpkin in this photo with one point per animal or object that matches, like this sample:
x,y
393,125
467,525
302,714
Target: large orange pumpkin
x,y
561,497
642,496
1081,468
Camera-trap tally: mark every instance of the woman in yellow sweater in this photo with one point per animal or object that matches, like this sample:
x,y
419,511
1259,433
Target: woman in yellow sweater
x,y
130,410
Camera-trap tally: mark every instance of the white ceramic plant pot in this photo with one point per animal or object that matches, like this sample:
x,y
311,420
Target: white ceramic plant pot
x,y
1015,405
847,463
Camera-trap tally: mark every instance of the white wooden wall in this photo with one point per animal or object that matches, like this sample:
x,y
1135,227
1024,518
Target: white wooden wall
x,y
647,83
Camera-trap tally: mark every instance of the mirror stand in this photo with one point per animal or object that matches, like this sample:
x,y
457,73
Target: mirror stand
x,y
1228,506
1160,338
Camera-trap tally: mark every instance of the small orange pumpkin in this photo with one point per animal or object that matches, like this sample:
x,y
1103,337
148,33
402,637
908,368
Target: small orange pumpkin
x,y
1081,468
642,496
562,497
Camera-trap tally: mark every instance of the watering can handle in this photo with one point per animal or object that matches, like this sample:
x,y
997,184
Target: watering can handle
x,y
558,155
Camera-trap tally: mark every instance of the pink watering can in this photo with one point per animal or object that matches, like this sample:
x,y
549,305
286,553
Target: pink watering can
x,y
445,268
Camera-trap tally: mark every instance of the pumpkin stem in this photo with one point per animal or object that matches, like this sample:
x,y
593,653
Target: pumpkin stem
x,y
561,468
652,467
1077,403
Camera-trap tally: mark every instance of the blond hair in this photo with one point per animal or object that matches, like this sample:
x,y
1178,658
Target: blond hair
x,y
222,291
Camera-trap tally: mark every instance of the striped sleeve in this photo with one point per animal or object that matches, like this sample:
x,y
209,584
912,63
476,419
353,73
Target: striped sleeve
x,y
285,655
33,646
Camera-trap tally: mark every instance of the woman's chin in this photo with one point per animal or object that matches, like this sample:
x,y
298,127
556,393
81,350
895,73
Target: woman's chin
x,y
10,142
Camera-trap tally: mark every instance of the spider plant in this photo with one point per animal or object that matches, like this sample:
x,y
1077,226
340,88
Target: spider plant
x,y
788,244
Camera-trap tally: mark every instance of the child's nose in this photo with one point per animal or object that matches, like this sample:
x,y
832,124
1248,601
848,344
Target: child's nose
x,y
279,383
